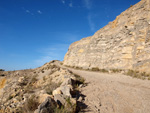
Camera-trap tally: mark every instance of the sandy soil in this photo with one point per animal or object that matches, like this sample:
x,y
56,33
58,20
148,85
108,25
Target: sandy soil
x,y
114,93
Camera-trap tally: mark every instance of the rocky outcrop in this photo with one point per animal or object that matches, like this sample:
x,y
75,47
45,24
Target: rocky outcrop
x,y
46,89
122,44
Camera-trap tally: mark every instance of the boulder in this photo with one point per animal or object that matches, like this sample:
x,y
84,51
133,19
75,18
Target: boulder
x,y
43,97
67,81
66,90
57,91
48,106
60,99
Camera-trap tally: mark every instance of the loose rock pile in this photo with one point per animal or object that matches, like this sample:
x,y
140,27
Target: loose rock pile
x,y
47,89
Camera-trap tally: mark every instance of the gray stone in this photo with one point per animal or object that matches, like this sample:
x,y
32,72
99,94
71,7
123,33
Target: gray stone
x,y
67,81
66,90
60,99
47,106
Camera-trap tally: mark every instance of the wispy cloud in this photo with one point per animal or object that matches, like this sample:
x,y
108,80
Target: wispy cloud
x,y
67,3
54,52
63,1
91,23
40,12
43,60
70,4
87,4
27,11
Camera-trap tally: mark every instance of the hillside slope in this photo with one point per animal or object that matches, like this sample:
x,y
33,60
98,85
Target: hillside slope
x,y
47,89
123,43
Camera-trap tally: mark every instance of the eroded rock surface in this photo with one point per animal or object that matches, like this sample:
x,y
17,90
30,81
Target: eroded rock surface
x,y
123,43
36,90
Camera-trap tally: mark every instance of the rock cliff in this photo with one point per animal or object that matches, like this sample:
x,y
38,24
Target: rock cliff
x,y
122,44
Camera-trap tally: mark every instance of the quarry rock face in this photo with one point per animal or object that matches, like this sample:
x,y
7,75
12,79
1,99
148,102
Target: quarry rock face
x,y
122,44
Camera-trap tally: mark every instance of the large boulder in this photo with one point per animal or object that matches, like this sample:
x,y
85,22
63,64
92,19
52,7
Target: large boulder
x,y
48,106
65,90
60,99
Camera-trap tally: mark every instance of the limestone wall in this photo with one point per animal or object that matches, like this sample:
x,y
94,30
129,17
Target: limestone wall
x,y
123,43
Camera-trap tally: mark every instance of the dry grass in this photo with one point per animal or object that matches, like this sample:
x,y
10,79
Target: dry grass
x,y
95,69
31,104
68,108
137,74
51,87
61,63
115,70
79,79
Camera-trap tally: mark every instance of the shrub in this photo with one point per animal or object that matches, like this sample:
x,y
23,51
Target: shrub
x,y
95,69
68,108
137,74
131,72
116,70
103,70
34,79
79,79
77,67
2,70
10,97
31,103
131,5
51,86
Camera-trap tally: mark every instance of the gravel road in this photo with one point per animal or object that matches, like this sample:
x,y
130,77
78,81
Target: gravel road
x,y
114,93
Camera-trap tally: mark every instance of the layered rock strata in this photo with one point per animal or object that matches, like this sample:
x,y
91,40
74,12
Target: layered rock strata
x,y
122,44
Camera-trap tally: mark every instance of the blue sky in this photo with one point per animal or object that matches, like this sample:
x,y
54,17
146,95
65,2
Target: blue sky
x,y
33,32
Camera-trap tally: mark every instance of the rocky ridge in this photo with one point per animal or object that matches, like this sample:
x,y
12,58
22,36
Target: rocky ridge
x,y
122,44
47,89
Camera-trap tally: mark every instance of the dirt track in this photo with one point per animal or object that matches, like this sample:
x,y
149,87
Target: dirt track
x,y
115,93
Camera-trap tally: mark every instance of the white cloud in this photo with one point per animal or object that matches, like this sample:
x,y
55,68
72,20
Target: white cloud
x,y
39,12
87,3
63,1
27,11
91,23
43,60
70,4
53,52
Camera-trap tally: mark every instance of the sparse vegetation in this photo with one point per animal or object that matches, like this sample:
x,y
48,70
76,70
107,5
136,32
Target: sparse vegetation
x,y
95,69
99,70
103,70
61,63
137,74
2,70
10,97
51,86
68,108
31,104
78,67
34,79
131,5
79,79
115,70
